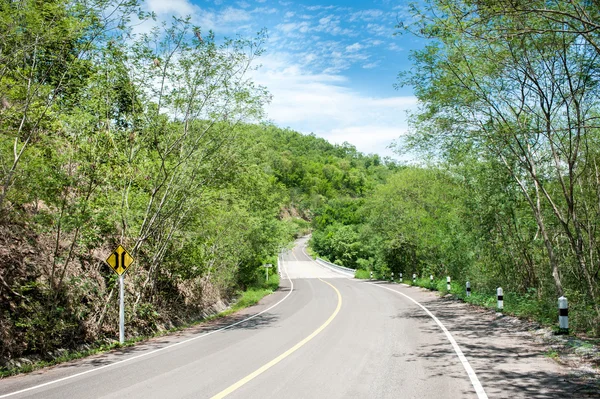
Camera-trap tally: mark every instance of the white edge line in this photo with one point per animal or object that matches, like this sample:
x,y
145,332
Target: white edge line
x,y
156,350
474,380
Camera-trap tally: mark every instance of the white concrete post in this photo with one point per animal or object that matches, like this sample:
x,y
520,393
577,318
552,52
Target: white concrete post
x,y
392,276
448,283
400,277
563,314
371,274
500,298
414,278
468,289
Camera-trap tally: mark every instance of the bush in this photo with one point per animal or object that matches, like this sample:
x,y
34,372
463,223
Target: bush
x,y
362,274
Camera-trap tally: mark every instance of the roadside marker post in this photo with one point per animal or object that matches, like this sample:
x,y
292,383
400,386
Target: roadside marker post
x,y
371,274
468,289
400,277
448,283
431,280
392,276
414,278
267,266
563,315
500,296
119,261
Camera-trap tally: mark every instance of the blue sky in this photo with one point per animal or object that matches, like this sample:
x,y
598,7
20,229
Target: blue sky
x,y
330,65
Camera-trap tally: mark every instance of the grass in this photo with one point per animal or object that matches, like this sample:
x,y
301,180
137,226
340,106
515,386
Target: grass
x,y
362,274
521,305
310,252
245,299
252,295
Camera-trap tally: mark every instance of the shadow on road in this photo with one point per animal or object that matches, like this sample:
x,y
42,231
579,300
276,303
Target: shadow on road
x,y
508,363
261,321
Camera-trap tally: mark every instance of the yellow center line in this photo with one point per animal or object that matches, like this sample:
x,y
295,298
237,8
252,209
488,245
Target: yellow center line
x,y
285,354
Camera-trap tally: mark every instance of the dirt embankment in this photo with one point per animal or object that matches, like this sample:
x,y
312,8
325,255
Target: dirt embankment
x,y
46,308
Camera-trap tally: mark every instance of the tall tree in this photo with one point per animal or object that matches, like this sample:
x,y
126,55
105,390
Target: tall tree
x,y
528,99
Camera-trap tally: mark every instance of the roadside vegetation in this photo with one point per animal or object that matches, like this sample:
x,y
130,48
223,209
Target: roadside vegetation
x,y
156,141
150,140
504,187
242,299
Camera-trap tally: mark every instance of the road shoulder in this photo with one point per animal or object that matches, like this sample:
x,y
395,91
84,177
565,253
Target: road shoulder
x,y
507,356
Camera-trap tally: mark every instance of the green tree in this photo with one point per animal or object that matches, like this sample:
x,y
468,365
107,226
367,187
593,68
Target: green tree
x,y
521,90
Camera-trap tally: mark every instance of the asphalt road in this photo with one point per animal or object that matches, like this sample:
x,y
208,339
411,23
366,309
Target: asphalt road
x,y
322,335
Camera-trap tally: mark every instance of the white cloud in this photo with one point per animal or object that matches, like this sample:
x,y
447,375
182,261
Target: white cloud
x,y
367,138
308,58
371,65
226,20
265,10
366,15
380,30
325,20
324,104
177,7
318,8
231,14
294,27
354,47
394,47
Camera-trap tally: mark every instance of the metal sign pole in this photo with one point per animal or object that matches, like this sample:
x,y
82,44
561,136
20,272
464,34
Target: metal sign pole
x,y
121,309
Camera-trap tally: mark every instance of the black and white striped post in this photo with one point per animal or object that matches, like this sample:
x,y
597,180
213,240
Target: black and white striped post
x,y
392,276
414,278
448,283
563,315
468,289
371,274
500,296
400,277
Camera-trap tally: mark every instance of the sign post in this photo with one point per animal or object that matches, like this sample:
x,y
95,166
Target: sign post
x,y
121,309
267,266
119,261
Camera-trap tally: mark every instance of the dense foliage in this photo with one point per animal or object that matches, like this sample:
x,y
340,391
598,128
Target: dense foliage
x,y
150,141
509,196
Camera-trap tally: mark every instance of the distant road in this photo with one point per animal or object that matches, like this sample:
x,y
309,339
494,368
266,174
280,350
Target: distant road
x,y
322,335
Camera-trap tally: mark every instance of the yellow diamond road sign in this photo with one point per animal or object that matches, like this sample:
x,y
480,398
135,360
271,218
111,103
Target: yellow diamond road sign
x,y
119,260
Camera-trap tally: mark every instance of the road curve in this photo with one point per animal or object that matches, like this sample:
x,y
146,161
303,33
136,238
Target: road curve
x,y
322,335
